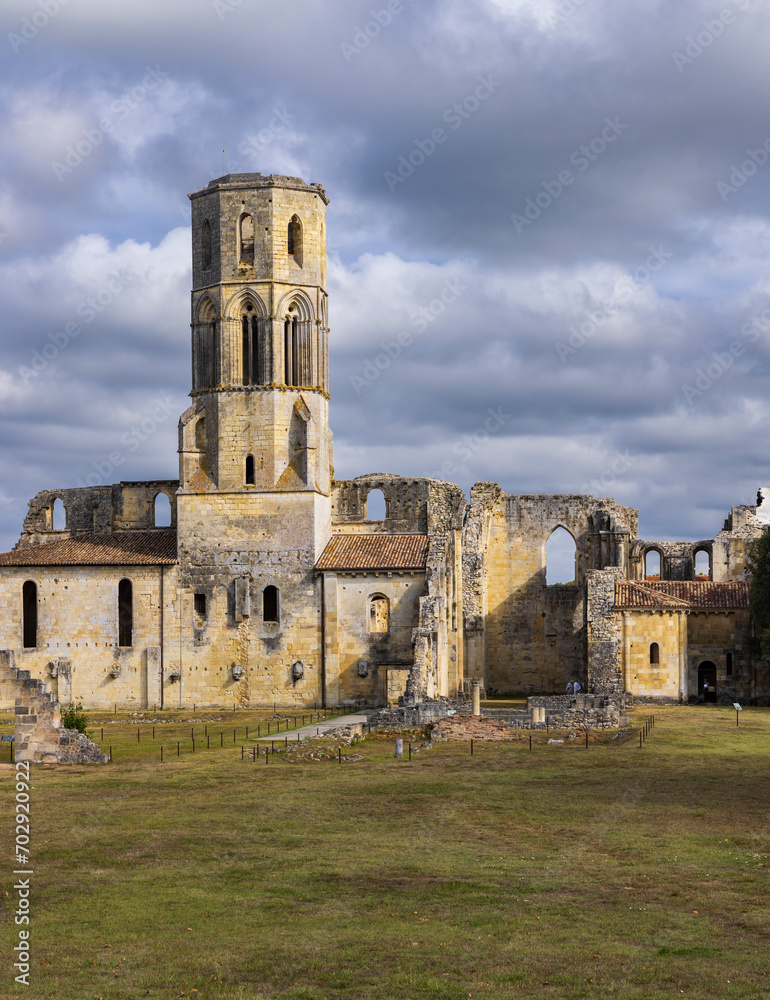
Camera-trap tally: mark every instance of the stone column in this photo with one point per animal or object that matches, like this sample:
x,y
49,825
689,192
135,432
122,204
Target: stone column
x,y
476,697
683,685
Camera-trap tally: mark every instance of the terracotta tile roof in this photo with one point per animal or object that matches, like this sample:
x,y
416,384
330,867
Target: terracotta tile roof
x,y
685,595
370,552
123,548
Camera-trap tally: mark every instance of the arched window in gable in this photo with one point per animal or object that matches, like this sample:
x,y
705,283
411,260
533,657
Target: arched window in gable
x,y
376,506
560,557
652,565
249,470
703,565
246,240
58,515
294,239
162,511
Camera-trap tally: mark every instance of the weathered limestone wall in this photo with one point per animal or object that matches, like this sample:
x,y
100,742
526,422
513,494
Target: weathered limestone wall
x,y
642,677
231,547
100,509
604,646
271,201
531,637
362,664
77,653
711,636
284,430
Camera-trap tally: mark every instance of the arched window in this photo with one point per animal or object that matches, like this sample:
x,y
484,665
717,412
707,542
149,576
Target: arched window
x,y
59,515
247,240
652,565
702,564
162,511
560,552
270,604
253,373
654,652
29,614
249,470
206,245
206,347
294,239
376,506
125,613
200,434
379,613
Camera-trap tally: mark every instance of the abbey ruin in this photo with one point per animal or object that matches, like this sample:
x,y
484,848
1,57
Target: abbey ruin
x,y
272,584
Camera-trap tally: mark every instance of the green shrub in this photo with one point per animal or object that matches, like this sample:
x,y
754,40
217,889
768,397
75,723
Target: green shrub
x,y
75,718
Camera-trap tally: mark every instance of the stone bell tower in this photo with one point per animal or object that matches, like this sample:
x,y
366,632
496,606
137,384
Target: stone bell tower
x,y
255,450
259,338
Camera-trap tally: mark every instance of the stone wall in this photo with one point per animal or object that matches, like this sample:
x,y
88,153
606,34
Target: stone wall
x,y
100,509
604,634
523,636
39,736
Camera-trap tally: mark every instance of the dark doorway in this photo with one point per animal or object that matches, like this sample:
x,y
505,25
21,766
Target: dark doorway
x,y
707,682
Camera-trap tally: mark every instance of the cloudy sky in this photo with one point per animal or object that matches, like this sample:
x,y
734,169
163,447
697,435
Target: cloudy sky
x,y
556,210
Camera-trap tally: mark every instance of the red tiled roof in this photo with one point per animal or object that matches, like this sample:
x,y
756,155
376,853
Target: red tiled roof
x,y
370,552
124,548
684,595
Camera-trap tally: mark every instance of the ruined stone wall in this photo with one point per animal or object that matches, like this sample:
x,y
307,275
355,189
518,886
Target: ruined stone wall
x,y
604,645
677,559
99,509
534,637
39,735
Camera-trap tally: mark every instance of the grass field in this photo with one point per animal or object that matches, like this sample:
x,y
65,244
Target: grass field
x,y
562,872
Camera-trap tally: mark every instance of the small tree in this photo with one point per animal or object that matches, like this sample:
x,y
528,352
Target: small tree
x,y
74,717
759,591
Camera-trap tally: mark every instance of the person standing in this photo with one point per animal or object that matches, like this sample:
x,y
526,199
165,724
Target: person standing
x,y
576,687
569,687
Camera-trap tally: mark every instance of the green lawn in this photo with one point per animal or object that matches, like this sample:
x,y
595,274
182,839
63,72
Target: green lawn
x,y
561,872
